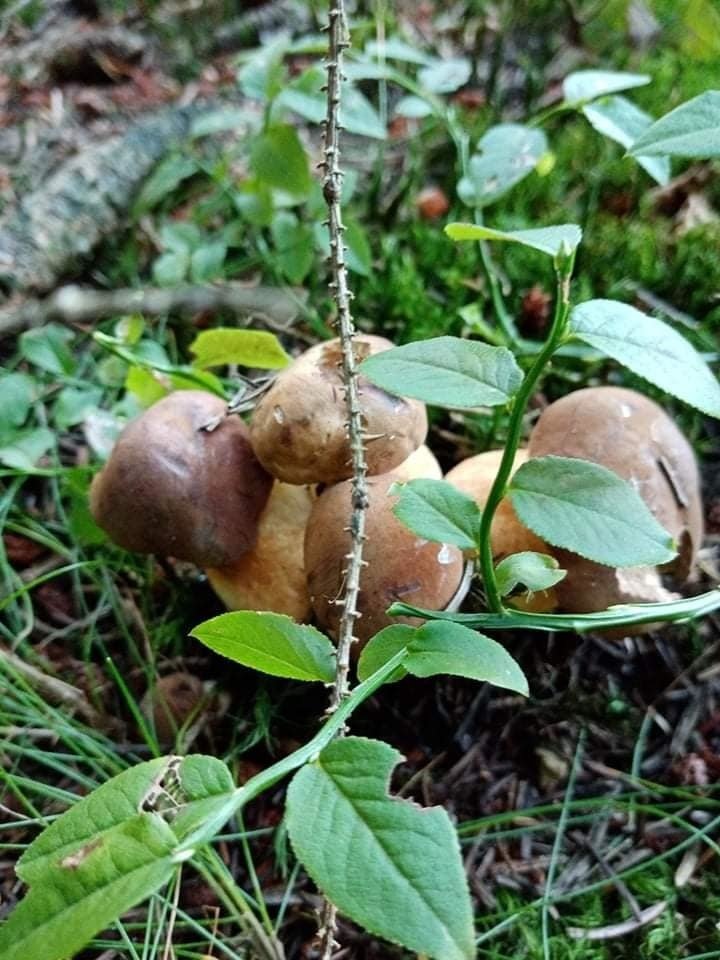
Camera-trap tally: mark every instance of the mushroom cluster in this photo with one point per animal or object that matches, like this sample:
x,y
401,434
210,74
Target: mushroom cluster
x,y
264,508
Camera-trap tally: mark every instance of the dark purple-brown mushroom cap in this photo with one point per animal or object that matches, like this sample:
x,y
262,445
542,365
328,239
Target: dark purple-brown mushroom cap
x,y
172,488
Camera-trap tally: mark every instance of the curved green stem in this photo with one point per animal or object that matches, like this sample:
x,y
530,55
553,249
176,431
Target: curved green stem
x,y
499,487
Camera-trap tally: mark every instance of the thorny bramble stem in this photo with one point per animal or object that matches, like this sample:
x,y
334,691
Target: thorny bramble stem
x,y
338,40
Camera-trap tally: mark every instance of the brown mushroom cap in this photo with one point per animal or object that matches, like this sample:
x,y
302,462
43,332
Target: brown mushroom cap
x,y
400,565
271,576
174,489
172,701
298,429
634,437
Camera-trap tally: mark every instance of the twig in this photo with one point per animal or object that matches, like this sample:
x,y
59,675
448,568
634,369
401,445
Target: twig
x,y
338,41
73,304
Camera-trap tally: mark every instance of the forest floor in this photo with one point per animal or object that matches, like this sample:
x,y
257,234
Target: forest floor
x,y
589,813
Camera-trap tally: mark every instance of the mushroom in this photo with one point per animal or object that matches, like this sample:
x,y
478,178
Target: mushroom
x,y
399,564
298,429
171,702
271,576
634,437
420,465
475,476
172,488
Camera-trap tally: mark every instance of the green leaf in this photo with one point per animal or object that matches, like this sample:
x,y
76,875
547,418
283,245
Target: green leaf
x,y
271,643
437,511
395,48
586,85
145,385
447,372
207,261
17,393
690,130
534,571
48,348
359,116
207,799
442,647
359,254
413,107
218,121
23,449
391,867
383,647
170,269
116,801
181,236
588,509
261,76
168,175
293,245
650,348
507,153
445,76
548,240
73,405
621,121
249,348
278,158
89,889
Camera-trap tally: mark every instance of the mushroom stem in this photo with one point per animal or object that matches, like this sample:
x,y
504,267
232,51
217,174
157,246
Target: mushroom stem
x,y
563,269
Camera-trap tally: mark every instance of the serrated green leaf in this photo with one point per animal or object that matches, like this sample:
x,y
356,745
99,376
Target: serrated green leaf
x,y
690,130
442,647
548,240
590,510
393,868
445,76
437,511
89,888
620,120
271,643
584,85
447,372
534,571
207,799
650,348
278,159
507,153
115,801
383,647
48,348
249,348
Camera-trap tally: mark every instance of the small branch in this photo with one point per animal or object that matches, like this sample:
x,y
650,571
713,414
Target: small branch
x,y
74,304
338,41
332,186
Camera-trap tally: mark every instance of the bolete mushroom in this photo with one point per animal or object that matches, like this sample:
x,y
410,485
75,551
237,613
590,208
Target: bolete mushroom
x,y
400,564
475,476
298,429
420,465
173,701
634,437
271,576
172,488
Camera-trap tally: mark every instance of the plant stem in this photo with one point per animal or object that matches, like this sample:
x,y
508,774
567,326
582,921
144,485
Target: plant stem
x,y
338,41
520,402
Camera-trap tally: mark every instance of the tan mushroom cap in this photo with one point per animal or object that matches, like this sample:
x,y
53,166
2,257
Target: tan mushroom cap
x,y
177,490
400,565
634,437
271,576
475,476
298,429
